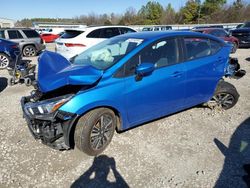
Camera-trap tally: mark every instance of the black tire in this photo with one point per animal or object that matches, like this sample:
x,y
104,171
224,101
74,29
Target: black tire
x,y
225,96
29,51
91,135
4,61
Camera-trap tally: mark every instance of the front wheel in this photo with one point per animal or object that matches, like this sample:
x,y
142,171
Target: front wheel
x,y
225,96
94,131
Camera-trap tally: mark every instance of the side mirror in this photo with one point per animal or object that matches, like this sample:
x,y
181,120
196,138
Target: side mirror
x,y
144,69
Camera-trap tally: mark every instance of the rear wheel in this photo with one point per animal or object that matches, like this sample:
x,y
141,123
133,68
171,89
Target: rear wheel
x,y
4,61
29,51
94,131
225,96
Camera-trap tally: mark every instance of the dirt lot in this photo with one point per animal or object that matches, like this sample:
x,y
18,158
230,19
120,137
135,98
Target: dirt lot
x,y
194,148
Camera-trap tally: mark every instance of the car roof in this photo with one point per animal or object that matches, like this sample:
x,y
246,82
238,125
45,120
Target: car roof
x,y
208,29
161,34
96,27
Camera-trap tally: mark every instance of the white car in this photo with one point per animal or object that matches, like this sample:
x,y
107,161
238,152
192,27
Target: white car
x,y
75,41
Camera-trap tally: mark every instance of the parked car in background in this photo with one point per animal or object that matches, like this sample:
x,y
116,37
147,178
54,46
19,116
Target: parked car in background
x,y
9,52
29,40
207,26
50,37
157,28
221,33
243,34
75,41
123,82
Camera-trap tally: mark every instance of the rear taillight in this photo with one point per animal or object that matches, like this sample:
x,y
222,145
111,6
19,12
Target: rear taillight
x,y
74,45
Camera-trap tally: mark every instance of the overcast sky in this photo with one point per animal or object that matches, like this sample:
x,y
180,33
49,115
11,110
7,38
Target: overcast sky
x,y
19,9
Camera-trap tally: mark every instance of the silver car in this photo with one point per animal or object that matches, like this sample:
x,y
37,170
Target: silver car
x,y
29,40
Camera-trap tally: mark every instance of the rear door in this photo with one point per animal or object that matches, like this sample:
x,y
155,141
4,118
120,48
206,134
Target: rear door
x,y
205,64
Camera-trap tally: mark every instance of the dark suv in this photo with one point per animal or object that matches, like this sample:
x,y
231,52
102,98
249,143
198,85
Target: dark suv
x,y
243,34
29,40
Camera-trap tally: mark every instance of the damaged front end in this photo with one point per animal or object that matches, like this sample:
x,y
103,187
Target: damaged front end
x,y
46,122
58,82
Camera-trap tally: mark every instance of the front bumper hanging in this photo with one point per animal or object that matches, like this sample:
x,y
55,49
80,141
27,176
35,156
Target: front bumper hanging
x,y
53,130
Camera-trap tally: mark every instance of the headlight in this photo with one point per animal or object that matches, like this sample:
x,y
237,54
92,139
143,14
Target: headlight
x,y
47,106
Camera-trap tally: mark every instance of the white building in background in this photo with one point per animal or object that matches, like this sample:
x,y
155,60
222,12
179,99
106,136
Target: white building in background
x,y
4,22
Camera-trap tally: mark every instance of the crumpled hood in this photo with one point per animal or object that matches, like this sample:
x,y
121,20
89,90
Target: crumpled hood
x,y
55,71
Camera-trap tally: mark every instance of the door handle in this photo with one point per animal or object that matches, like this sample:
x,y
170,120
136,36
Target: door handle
x,y
177,74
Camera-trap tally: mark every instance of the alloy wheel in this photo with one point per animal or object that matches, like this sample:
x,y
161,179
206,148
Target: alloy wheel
x,y
101,132
223,100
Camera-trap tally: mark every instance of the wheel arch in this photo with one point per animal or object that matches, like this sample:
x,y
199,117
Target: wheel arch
x,y
69,137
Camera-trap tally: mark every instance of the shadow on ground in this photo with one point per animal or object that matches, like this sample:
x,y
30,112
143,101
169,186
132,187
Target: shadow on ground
x,y
248,59
3,83
236,171
97,175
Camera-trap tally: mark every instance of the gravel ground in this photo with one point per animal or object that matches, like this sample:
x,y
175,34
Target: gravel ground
x,y
194,148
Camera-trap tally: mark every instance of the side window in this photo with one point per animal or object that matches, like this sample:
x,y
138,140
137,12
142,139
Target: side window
x,y
31,33
124,30
109,32
2,34
215,46
197,47
222,33
94,34
214,33
14,34
162,53
201,47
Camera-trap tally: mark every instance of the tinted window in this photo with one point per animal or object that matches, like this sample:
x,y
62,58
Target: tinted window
x,y
109,32
215,46
68,34
31,33
124,30
2,34
161,54
200,47
14,34
218,33
94,34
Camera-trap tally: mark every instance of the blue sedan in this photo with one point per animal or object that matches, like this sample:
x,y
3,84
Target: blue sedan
x,y
123,82
9,51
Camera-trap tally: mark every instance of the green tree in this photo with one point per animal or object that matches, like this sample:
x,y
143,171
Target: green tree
x,y
168,16
151,13
190,12
211,6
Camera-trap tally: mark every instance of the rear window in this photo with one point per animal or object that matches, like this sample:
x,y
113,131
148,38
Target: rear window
x,y
68,34
124,30
2,34
31,33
